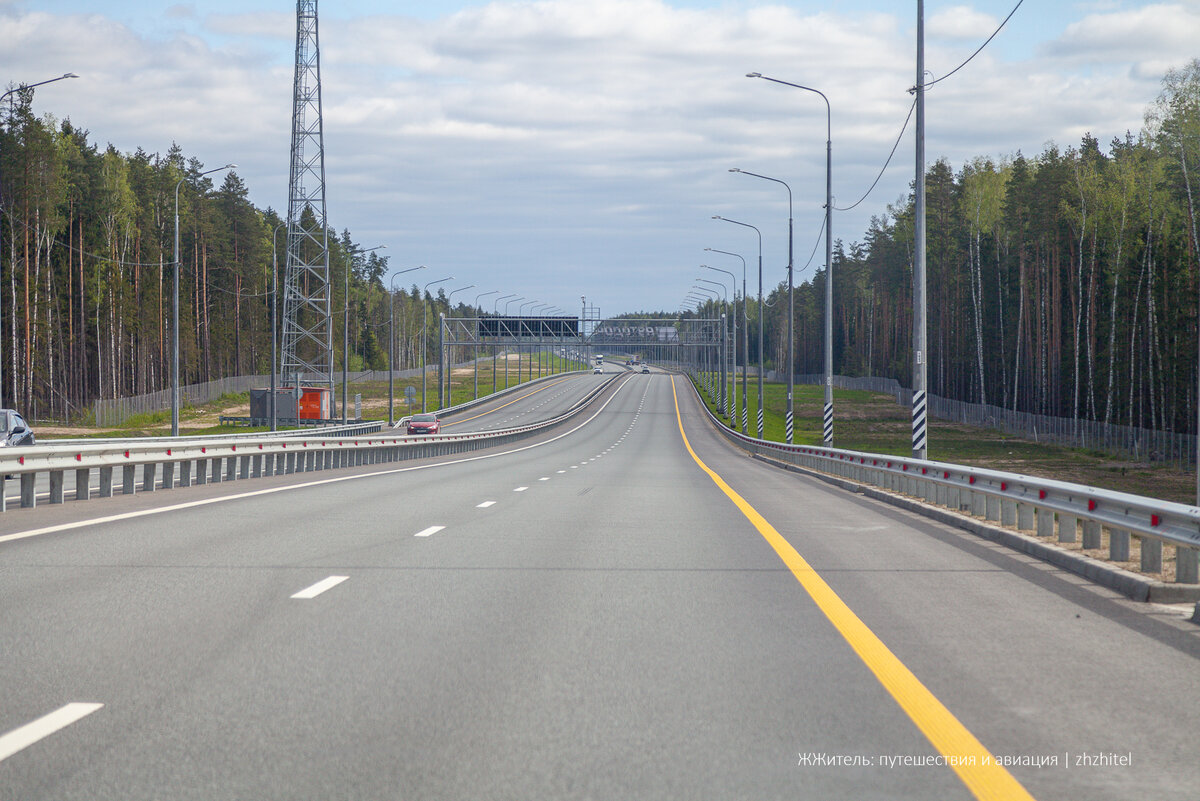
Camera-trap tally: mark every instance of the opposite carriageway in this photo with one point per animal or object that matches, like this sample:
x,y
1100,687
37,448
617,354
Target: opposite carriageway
x,y
103,468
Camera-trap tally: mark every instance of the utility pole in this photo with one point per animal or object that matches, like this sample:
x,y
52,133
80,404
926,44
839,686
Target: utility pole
x,y
920,449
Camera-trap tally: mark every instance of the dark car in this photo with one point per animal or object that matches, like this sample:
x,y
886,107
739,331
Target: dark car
x,y
15,430
424,424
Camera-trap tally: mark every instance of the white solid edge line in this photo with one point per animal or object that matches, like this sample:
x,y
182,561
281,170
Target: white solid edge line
x,y
20,535
44,726
429,531
320,587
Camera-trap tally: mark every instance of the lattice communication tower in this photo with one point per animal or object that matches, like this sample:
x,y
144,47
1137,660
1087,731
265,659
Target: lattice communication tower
x,y
307,295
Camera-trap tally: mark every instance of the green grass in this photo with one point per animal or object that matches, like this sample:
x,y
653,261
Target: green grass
x,y
875,423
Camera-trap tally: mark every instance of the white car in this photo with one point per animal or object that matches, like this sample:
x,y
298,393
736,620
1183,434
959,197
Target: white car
x,y
597,371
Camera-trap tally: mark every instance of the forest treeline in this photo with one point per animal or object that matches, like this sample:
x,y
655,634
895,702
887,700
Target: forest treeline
x,y
1064,283
86,255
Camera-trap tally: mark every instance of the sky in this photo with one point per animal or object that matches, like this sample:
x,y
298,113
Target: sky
x,y
559,149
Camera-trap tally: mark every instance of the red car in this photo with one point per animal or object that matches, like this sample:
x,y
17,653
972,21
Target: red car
x,y
424,424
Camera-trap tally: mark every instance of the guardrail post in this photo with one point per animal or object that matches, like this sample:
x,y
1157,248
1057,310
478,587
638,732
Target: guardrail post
x,y
106,482
1186,565
231,468
128,479
244,471
201,471
991,507
56,486
1045,523
1024,517
1091,534
1008,512
148,471
168,475
1118,545
28,495
1067,528
215,470
82,490
1151,555
256,465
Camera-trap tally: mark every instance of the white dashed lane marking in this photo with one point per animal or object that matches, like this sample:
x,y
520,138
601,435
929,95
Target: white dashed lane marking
x,y
25,736
320,587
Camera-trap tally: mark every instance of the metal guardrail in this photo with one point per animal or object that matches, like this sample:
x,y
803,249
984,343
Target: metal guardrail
x,y
339,430
203,460
1044,506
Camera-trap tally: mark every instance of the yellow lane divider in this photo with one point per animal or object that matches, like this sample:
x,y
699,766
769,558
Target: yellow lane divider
x,y
978,769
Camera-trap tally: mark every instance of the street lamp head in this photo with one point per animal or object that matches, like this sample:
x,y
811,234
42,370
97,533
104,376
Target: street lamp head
x,y
70,75
229,167
753,74
734,169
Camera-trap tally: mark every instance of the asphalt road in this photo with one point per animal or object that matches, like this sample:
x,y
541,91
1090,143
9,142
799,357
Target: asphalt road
x,y
588,616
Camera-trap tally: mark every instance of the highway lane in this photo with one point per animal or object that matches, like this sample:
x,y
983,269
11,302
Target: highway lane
x,y
590,617
526,405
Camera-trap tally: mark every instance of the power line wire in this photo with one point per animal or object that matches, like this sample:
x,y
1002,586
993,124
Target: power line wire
x,y
903,128
977,52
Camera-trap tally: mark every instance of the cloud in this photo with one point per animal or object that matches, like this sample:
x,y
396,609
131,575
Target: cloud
x,y
1124,36
961,23
582,147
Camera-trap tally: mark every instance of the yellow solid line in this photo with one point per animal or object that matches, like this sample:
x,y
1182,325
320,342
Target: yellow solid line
x,y
973,763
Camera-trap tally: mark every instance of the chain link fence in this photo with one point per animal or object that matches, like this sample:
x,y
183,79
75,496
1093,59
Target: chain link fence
x,y
1129,442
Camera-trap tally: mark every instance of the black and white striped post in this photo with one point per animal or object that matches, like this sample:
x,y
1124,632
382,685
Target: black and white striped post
x,y
827,428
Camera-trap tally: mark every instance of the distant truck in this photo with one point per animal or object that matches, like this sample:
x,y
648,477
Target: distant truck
x,y
599,358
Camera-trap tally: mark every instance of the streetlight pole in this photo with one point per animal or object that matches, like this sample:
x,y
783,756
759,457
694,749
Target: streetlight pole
x,y
745,335
788,423
760,319
475,361
828,417
24,86
509,328
521,314
732,391
724,356
175,303
495,346
424,324
274,325
346,325
536,310
392,341
449,367
719,401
